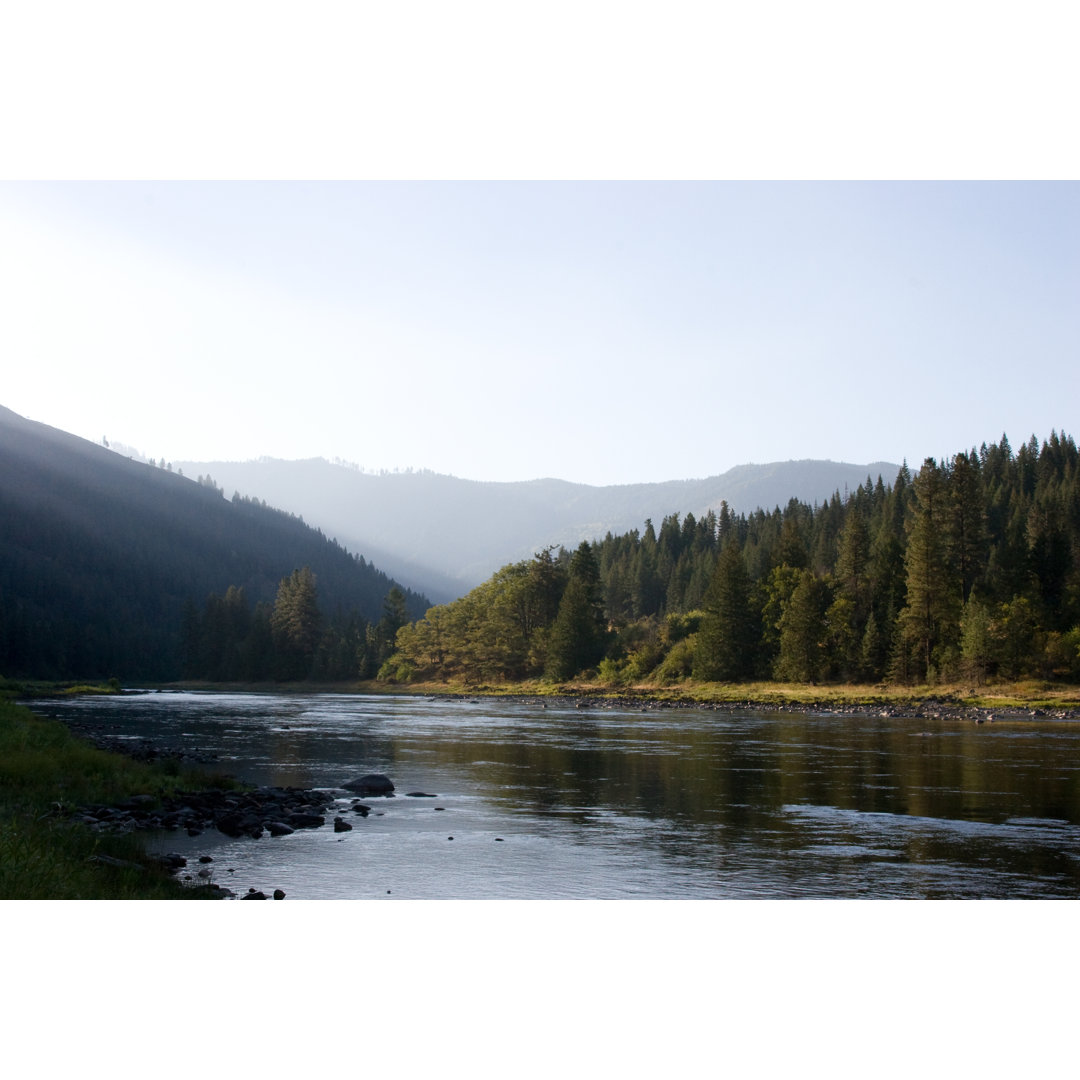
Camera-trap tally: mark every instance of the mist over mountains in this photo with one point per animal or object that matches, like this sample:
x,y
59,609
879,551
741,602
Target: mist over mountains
x,y
443,535
100,554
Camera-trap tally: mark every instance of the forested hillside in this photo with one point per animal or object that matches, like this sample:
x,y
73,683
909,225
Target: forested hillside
x,y
446,535
107,563
969,568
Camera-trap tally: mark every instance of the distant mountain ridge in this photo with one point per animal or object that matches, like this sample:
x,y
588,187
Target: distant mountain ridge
x,y
445,535
99,555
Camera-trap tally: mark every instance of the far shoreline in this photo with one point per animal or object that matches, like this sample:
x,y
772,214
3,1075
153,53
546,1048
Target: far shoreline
x,y
1012,701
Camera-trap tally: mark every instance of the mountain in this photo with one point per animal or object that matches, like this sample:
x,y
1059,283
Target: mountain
x,y
447,535
100,554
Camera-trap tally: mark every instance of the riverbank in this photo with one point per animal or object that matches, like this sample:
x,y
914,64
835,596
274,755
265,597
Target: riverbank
x,y
1016,700
1031,700
46,774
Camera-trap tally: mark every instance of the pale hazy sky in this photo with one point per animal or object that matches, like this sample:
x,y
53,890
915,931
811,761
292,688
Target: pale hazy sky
x,y
596,332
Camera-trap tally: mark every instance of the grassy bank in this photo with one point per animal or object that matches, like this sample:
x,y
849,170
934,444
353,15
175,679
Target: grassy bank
x,y
1030,694
44,772
1026,694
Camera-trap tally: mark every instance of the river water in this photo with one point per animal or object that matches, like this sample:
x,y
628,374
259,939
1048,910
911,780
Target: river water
x,y
564,802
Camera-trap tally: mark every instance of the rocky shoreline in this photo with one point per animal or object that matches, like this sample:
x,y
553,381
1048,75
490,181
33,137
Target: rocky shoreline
x,y
257,812
273,811
929,708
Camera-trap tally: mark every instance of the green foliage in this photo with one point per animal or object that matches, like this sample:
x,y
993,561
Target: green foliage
x,y
229,642
726,643
105,562
804,632
612,672
1063,654
500,630
579,635
977,646
295,624
678,663
44,772
879,583
930,619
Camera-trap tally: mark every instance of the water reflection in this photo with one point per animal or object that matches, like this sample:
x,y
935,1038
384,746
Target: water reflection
x,y
617,803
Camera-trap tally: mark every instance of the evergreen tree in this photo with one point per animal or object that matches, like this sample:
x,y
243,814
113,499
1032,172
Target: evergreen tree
x,y
578,638
296,624
976,640
728,638
930,618
394,617
803,631
966,521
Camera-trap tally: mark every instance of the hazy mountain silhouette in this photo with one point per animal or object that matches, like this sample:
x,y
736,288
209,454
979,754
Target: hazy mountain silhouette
x,y
99,555
445,535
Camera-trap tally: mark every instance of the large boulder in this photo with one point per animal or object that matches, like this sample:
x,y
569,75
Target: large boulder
x,y
371,784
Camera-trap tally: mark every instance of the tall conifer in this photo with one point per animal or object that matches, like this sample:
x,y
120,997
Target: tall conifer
x,y
727,641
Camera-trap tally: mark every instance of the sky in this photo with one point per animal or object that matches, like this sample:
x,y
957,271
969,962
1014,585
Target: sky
x,y
599,332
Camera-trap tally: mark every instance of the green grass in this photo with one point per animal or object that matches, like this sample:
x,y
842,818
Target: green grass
x,y
1029,694
46,771
35,688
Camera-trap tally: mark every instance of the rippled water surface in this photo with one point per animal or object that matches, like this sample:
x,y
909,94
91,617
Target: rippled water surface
x,y
608,803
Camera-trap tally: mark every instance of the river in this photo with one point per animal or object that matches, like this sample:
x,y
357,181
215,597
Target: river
x,y
555,801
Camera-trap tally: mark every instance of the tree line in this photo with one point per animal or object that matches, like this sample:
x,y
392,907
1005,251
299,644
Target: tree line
x,y
967,569
99,555
291,639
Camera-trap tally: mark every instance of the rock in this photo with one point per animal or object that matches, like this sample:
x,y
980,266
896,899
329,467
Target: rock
x,y
306,821
279,894
371,784
341,825
279,828
419,795
253,895
206,858
361,809
173,861
231,824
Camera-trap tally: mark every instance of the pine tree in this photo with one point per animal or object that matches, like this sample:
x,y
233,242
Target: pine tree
x,y
728,638
930,618
976,640
803,631
967,521
394,617
578,636
295,623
